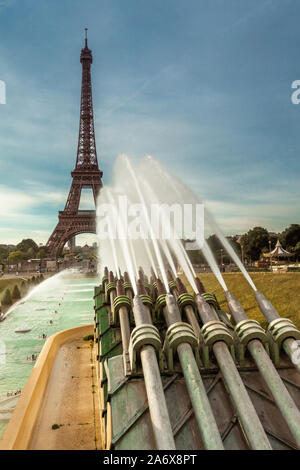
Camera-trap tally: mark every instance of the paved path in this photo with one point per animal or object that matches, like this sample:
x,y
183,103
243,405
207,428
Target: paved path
x,y
69,402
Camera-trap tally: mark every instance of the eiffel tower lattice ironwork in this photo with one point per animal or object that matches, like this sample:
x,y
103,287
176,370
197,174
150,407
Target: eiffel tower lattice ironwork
x,y
72,221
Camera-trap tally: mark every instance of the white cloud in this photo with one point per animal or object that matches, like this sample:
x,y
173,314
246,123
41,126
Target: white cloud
x,y
14,236
14,202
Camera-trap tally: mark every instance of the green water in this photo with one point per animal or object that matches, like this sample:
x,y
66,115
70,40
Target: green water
x,y
66,300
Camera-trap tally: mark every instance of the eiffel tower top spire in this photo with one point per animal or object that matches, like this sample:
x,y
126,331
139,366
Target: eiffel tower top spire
x,y
85,29
86,152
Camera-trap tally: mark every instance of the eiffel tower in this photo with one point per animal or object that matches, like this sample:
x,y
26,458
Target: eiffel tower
x,y
72,221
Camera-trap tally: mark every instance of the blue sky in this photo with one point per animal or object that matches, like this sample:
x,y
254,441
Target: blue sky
x,y
202,85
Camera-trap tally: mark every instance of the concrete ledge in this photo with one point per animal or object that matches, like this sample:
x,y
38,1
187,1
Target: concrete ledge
x,y
19,430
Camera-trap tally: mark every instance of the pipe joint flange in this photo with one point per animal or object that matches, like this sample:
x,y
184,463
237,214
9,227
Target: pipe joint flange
x,y
120,301
127,285
211,299
146,299
172,285
144,335
160,304
214,331
281,329
185,300
179,333
246,330
110,286
104,280
147,286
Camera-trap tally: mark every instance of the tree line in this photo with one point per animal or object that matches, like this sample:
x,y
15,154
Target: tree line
x,y
251,245
25,250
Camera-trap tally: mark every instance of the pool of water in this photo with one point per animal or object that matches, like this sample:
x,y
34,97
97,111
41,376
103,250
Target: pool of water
x,y
61,302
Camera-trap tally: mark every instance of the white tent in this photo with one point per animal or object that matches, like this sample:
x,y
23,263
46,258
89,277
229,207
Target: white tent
x,y
279,252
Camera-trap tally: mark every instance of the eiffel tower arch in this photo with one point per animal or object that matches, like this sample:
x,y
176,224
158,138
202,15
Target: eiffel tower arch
x,y
86,175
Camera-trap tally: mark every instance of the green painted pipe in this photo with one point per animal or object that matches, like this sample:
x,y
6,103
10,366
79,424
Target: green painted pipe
x,y
268,371
281,396
156,398
271,314
289,347
252,426
203,413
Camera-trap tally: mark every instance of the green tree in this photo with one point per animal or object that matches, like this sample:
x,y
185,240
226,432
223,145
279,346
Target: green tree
x,y
297,250
30,253
219,251
7,300
24,286
16,293
27,243
42,252
196,256
254,242
3,253
15,257
290,237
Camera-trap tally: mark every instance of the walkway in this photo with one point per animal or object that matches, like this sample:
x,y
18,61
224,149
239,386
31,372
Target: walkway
x,y
69,416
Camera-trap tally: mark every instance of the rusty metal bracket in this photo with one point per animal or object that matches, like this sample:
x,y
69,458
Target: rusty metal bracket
x,y
278,331
211,299
160,304
212,332
178,333
245,331
120,301
143,335
109,286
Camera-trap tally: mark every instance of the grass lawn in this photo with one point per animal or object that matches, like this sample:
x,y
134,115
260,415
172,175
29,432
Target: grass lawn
x,y
283,290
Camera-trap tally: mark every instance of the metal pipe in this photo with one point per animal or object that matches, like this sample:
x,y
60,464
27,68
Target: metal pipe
x,y
113,292
191,318
290,346
235,308
268,371
128,291
156,399
240,398
281,396
271,314
124,319
172,285
266,307
203,413
188,309
142,291
125,328
199,285
252,426
205,311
